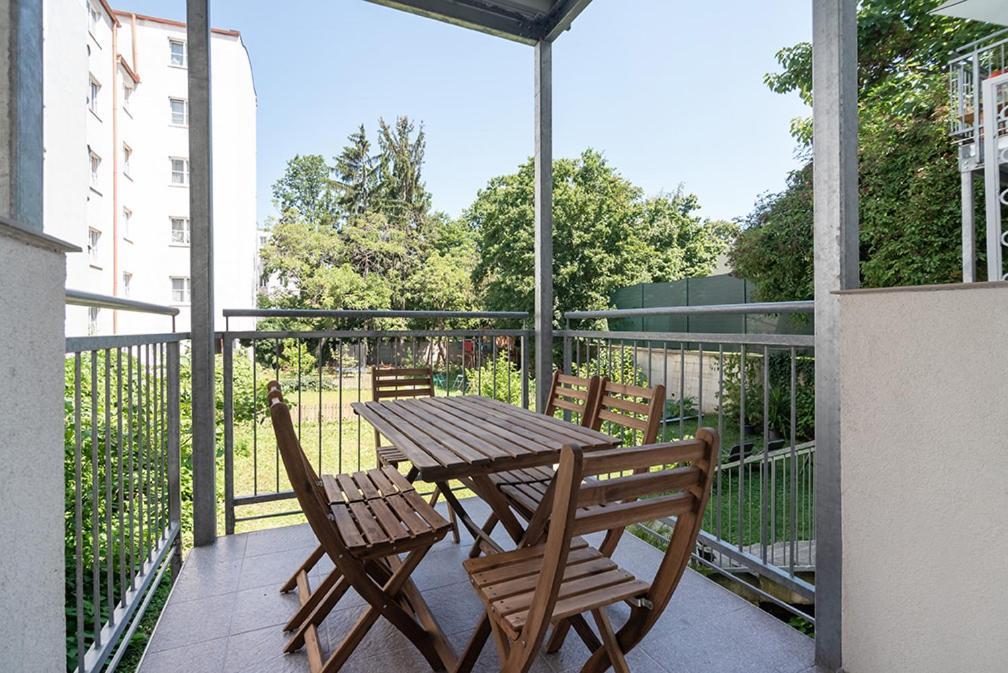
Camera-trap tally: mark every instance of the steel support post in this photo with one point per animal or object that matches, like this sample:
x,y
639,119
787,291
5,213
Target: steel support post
x,y
543,219
201,273
835,122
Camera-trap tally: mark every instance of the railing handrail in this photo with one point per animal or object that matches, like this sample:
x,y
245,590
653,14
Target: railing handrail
x,y
92,299
711,309
365,314
967,50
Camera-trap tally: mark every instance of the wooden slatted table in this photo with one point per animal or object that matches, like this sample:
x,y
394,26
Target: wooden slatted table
x,y
470,437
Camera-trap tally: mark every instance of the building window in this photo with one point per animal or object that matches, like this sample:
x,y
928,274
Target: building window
x,y
93,320
93,90
94,236
127,94
127,222
127,279
180,289
179,171
180,231
95,165
127,155
94,18
179,111
177,53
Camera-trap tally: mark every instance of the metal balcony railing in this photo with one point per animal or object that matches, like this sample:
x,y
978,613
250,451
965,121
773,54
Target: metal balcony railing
x,y
123,500
969,67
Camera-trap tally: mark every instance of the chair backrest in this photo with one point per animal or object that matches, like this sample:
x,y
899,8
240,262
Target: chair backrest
x,y
307,486
393,383
635,408
679,488
575,394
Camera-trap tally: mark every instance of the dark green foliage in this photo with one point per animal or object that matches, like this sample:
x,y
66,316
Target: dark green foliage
x,y
909,177
778,404
605,236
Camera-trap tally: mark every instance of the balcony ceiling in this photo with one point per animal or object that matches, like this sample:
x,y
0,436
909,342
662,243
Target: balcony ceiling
x,y
991,11
526,21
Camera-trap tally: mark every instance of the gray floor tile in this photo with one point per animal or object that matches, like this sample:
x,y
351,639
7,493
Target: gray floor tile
x,y
261,607
191,622
279,539
262,652
201,577
456,607
207,657
224,548
270,569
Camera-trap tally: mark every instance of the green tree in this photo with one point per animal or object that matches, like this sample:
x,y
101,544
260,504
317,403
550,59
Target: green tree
x,y
909,178
401,157
357,175
306,191
605,236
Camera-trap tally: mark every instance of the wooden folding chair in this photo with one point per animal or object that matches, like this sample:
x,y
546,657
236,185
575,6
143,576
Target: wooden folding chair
x,y
525,590
613,407
363,522
575,395
388,383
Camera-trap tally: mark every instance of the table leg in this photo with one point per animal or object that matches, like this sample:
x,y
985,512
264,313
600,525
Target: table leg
x,y
465,519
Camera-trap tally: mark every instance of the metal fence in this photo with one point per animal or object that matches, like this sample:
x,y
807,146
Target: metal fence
x,y
327,367
123,499
757,391
969,67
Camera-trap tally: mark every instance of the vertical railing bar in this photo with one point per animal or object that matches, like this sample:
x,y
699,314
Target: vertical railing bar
x,y
255,418
174,476
493,366
793,495
122,503
720,422
298,343
339,441
276,445
109,570
682,389
95,571
228,384
525,368
743,373
78,512
162,426
766,453
148,443
130,431
361,361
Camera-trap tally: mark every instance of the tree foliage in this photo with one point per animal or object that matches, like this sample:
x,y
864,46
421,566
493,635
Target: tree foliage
x,y
909,177
605,236
360,234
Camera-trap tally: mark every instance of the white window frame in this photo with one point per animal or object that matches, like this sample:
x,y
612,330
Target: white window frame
x,y
186,231
94,241
94,90
171,53
93,313
127,155
185,289
127,279
184,173
94,166
127,218
128,90
185,112
94,16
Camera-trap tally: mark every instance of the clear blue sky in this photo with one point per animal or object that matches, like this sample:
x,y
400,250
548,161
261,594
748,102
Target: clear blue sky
x,y
670,91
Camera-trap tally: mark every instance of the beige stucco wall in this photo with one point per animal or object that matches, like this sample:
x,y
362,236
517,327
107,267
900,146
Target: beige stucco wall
x,y
31,455
925,479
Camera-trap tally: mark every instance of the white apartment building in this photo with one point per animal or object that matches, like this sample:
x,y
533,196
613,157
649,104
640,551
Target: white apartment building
x,y
117,169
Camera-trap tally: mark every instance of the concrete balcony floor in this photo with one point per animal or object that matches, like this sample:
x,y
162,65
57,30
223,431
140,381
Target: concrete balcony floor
x,y
225,615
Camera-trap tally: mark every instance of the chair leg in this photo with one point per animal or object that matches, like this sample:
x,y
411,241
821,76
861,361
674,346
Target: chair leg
x,y
475,647
488,527
307,566
315,615
609,641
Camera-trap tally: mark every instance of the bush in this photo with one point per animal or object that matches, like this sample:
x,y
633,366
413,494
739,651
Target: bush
x,y
779,397
498,379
